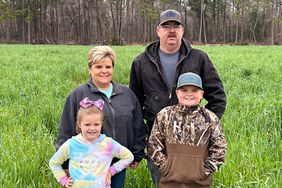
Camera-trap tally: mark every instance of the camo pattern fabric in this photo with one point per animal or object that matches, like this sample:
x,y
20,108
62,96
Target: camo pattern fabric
x,y
194,126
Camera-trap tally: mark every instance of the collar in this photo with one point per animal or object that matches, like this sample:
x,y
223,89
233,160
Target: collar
x,y
81,139
152,50
184,110
116,87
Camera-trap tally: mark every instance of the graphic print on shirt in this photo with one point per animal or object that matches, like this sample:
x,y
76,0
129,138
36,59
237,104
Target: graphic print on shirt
x,y
89,163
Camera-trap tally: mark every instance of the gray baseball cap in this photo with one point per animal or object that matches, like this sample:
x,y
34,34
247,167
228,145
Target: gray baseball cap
x,y
170,15
189,78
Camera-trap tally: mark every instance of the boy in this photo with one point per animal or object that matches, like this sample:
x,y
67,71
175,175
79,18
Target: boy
x,y
187,142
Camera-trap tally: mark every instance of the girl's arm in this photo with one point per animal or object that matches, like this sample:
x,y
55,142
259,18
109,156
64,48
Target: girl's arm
x,y
125,156
56,162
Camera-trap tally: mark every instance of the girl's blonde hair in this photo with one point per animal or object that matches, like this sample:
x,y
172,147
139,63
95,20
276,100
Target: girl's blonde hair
x,y
87,111
98,53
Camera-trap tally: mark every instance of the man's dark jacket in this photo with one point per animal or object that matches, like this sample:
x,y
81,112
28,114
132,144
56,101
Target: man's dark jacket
x,y
148,83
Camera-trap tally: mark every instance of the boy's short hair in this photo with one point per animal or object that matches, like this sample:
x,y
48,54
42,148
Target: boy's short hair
x,y
189,78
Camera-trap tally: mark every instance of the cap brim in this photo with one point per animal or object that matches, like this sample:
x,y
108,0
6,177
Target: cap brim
x,y
170,21
190,84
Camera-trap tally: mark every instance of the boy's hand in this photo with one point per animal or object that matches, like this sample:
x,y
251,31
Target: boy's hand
x,y
108,179
133,165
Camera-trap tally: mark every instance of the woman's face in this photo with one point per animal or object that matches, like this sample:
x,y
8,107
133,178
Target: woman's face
x,y
102,73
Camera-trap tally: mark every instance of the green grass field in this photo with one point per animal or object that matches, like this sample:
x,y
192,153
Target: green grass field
x,y
35,80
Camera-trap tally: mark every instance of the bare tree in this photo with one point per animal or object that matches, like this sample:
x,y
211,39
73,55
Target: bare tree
x,y
128,21
201,21
255,13
242,18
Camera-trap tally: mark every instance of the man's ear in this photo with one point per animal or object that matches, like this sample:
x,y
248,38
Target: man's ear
x,y
157,30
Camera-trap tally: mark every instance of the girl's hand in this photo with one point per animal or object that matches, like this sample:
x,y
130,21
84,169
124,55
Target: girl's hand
x,y
69,182
108,179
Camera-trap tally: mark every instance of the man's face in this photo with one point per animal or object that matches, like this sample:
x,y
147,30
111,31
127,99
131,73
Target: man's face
x,y
170,34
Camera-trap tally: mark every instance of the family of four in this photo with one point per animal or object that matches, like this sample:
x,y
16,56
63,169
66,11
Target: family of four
x,y
105,126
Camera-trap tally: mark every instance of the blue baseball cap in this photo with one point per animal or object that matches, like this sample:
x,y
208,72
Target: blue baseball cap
x,y
189,78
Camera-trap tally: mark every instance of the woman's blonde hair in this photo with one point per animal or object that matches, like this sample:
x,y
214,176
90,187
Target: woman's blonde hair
x,y
87,111
98,53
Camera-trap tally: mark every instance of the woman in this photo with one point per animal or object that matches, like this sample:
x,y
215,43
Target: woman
x,y
123,119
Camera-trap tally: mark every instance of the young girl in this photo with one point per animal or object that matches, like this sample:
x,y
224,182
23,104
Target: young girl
x,y
90,153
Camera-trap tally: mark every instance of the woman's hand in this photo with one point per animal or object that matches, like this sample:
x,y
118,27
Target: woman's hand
x,y
133,165
108,179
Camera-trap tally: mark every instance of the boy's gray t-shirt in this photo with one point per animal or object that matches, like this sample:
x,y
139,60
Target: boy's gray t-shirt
x,y
169,62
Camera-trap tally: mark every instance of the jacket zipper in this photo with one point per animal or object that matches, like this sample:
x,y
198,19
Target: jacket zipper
x,y
176,73
169,94
170,90
114,116
108,100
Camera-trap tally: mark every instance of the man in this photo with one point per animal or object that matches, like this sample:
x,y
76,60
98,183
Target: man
x,y
154,73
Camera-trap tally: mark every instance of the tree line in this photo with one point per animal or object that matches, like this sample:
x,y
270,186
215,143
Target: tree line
x,y
119,22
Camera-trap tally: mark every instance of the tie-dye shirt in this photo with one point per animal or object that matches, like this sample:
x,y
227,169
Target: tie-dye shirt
x,y
89,162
